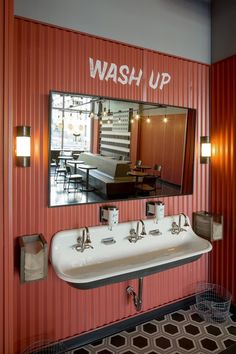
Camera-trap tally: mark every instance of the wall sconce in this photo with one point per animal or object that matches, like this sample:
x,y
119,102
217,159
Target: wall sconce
x,y
23,146
205,149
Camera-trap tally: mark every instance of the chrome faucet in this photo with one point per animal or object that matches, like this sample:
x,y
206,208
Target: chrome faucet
x,y
84,241
143,231
134,235
176,228
185,220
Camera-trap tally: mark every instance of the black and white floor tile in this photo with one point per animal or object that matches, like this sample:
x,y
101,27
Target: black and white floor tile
x,y
178,333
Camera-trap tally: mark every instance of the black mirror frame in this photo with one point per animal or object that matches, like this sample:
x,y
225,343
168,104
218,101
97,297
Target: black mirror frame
x,y
191,158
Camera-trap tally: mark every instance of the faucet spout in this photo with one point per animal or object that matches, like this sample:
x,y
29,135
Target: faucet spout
x,y
185,220
83,237
84,241
177,228
143,230
135,235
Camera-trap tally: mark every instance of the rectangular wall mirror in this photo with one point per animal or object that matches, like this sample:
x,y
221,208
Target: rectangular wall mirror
x,y
103,149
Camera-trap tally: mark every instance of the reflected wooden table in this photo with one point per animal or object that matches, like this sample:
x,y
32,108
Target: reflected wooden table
x,y
137,174
87,168
138,186
75,163
143,168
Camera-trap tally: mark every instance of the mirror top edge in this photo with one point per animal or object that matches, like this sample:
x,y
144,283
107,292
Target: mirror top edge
x,y
110,98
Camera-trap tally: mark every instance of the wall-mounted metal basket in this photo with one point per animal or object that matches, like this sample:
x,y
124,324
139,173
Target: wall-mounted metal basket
x,y
207,225
33,258
213,302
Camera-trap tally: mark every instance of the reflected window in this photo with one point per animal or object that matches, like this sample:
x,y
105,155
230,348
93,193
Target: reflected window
x,y
70,122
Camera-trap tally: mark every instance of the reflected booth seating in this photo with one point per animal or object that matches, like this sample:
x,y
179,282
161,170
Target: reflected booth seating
x,y
110,179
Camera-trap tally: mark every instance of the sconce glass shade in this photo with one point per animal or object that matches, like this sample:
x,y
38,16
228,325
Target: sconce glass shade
x,y
23,146
205,149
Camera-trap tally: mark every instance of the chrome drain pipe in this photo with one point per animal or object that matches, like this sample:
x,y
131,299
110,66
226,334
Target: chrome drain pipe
x,y
137,298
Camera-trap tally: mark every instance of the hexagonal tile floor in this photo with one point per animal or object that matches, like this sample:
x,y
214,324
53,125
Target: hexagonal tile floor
x,y
177,333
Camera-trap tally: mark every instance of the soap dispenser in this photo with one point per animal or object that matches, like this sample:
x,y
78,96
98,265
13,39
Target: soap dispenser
x,y
109,214
156,209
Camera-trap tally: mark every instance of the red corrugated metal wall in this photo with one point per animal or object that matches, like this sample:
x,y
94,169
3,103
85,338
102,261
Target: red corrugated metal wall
x,y
166,141
1,169
48,58
6,210
223,190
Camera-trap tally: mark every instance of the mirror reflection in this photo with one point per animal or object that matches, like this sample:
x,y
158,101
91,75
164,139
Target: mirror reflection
x,y
102,149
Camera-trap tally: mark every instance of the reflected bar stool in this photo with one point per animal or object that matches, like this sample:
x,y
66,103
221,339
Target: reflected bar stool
x,y
74,179
60,171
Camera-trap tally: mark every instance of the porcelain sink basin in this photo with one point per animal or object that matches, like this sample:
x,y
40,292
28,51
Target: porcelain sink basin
x,y
123,260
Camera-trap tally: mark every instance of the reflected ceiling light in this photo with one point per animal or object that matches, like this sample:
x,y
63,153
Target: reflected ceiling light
x,y
148,120
105,111
205,153
165,119
23,146
132,120
137,115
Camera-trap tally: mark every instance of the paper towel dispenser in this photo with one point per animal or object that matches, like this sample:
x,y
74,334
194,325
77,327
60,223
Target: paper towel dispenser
x,y
33,258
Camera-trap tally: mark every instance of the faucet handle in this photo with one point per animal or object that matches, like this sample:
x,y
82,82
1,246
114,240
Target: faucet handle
x,y
132,232
181,229
174,228
132,236
88,246
79,240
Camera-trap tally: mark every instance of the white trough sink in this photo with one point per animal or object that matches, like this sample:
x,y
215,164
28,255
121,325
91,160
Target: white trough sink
x,y
123,260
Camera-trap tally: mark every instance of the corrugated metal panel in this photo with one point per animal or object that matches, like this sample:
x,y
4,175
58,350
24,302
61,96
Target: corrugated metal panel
x,y
6,134
50,58
1,171
223,191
